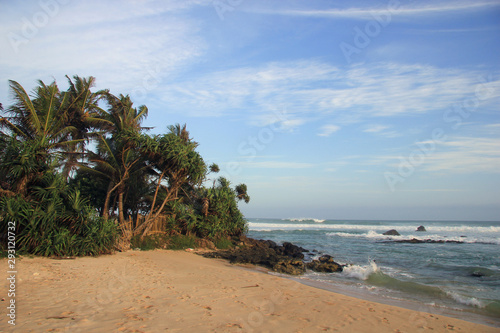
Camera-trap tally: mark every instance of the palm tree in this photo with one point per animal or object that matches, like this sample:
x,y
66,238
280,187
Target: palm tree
x,y
115,159
39,135
82,111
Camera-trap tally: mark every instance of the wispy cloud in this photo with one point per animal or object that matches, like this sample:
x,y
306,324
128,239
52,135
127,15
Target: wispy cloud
x,y
122,50
311,89
457,155
276,165
381,130
466,155
416,10
328,130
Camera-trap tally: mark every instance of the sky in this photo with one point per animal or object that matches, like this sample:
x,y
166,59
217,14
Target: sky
x,y
326,109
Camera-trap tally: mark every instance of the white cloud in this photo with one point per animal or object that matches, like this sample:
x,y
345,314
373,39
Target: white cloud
x,y
276,165
375,128
393,8
328,130
135,47
466,155
310,89
458,155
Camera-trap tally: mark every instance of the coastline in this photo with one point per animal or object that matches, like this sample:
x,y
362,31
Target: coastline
x,y
150,291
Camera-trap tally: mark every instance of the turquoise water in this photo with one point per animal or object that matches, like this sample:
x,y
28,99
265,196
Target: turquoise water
x,y
460,279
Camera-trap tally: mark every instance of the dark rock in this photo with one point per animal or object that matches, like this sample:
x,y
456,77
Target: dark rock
x,y
421,228
286,258
289,266
391,232
294,251
324,264
477,274
205,244
420,241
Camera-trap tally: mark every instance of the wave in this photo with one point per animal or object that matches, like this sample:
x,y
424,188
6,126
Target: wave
x,y
471,301
304,219
433,237
320,224
360,272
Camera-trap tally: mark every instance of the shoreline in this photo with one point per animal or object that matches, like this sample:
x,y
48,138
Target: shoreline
x,y
150,291
401,303
365,296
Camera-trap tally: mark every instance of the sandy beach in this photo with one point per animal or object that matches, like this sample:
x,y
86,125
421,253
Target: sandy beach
x,y
179,291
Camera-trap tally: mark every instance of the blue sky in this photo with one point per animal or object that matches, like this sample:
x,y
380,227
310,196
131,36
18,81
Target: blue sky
x,y
325,109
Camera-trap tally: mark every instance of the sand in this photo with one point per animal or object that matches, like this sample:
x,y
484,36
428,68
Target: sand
x,y
179,291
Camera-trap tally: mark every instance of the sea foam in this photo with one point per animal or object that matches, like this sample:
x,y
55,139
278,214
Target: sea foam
x,y
360,272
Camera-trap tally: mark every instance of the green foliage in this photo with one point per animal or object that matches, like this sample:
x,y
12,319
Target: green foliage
x,y
223,243
63,195
181,242
57,223
148,243
174,242
223,217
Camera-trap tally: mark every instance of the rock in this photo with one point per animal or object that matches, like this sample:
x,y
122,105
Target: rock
x,y
477,274
391,232
205,244
286,258
421,228
420,241
324,264
290,266
294,251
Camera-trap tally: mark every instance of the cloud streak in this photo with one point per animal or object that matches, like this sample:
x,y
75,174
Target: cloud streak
x,y
402,11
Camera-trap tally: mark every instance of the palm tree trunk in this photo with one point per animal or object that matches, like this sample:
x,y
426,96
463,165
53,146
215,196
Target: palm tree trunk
x,y
121,216
105,213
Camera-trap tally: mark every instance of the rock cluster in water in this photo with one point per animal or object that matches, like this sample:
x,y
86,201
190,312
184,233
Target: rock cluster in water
x,y
287,258
391,232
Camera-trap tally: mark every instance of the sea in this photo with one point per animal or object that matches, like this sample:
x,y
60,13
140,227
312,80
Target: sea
x,y
456,273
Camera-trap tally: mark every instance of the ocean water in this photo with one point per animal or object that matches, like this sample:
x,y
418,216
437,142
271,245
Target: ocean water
x,y
454,279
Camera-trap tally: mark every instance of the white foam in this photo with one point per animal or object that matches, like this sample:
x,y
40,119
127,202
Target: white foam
x,y
471,301
360,272
304,219
433,237
459,230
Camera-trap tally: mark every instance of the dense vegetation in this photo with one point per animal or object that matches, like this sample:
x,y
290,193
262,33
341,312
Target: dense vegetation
x,y
79,175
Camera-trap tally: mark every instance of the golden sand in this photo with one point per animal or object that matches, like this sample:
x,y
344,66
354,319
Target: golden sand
x,y
178,291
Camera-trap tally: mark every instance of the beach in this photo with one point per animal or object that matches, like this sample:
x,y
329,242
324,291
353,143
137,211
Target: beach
x,y
180,291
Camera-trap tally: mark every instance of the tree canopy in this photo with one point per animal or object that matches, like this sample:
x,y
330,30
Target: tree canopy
x,y
77,169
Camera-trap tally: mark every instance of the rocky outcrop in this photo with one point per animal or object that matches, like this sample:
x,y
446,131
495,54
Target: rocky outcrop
x,y
392,232
421,228
420,241
205,244
290,266
324,264
287,258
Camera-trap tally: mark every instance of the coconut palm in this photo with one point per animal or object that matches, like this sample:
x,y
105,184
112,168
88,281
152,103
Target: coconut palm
x,y
115,159
82,111
39,135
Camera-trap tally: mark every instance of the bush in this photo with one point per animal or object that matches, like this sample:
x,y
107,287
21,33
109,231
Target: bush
x,y
223,243
57,222
174,242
